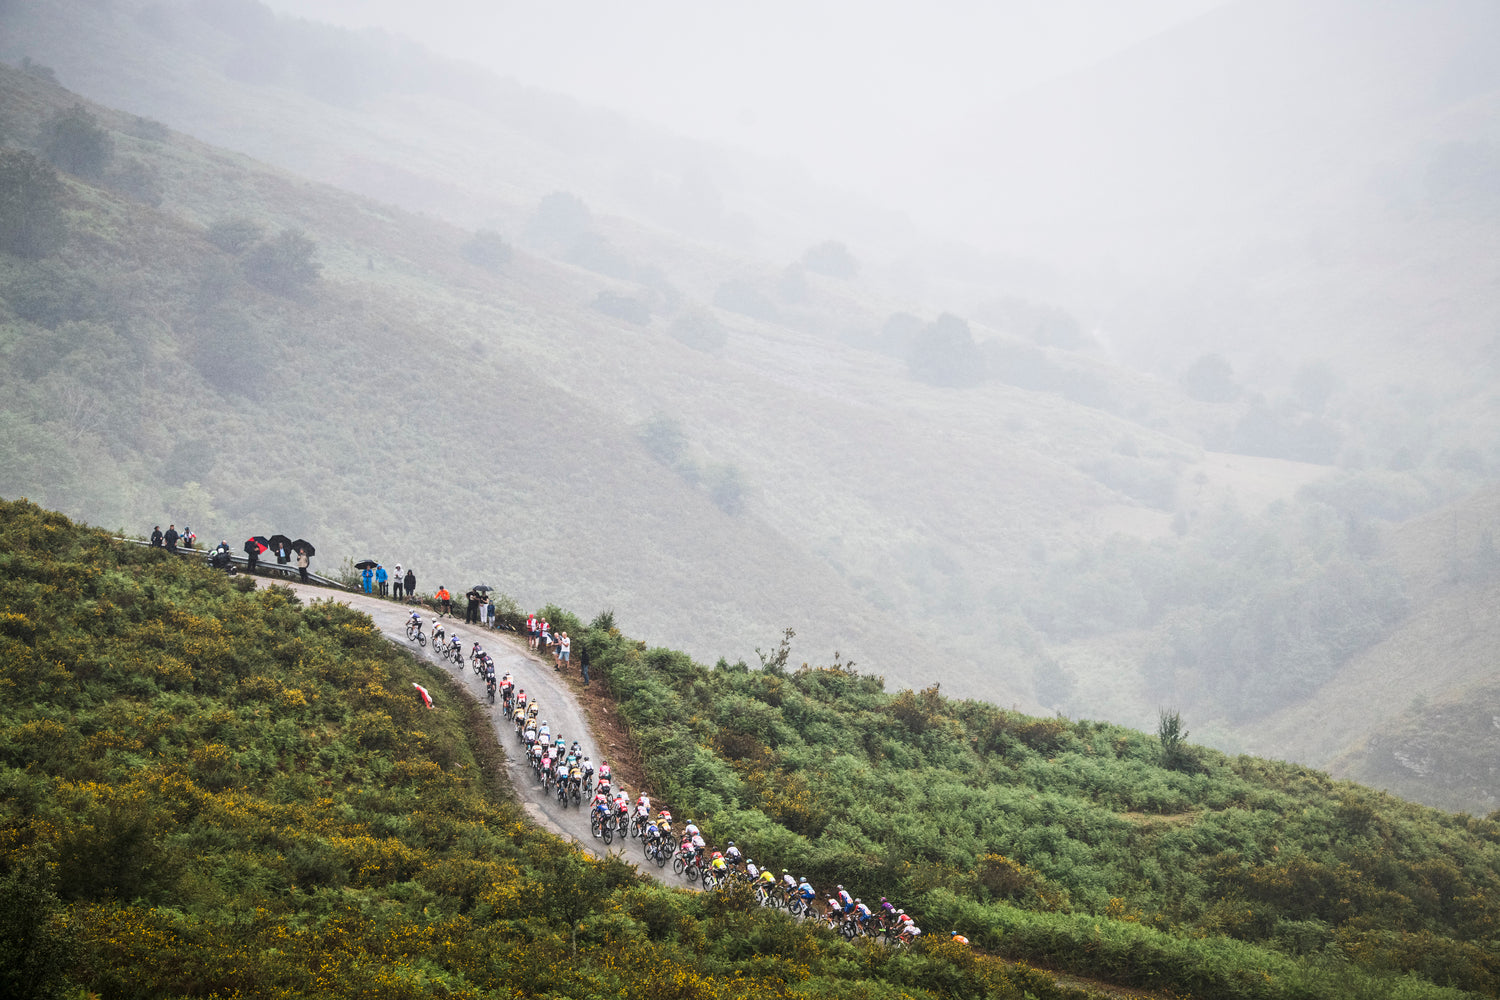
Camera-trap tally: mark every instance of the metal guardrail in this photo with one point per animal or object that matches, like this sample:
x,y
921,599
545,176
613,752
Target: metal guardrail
x,y
262,567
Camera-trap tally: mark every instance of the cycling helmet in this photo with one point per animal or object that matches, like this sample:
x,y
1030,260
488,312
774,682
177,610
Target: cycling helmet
x,y
882,899
731,843
841,888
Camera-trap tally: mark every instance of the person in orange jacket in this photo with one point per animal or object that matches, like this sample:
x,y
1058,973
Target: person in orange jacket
x,y
446,600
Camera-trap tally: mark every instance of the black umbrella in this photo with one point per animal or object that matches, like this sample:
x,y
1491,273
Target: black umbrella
x,y
483,588
279,541
366,564
303,545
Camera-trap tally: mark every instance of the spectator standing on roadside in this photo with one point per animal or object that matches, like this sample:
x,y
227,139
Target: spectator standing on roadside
x,y
396,583
368,577
489,612
445,601
583,662
252,554
471,609
411,584
171,538
531,631
380,579
564,650
188,538
156,537
302,564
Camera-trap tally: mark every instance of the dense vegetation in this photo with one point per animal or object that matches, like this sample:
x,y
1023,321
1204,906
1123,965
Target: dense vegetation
x,y
211,790
1069,843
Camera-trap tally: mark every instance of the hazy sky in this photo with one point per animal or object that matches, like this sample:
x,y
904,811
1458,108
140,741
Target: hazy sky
x,y
846,88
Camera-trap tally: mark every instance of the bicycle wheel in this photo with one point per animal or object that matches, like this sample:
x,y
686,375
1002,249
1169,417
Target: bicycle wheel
x,y
609,833
710,880
690,872
794,906
421,639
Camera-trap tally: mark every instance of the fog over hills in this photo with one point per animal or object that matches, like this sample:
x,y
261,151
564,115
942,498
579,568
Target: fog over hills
x,y
1152,393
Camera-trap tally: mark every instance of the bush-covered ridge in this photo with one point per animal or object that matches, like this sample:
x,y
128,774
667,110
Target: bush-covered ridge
x,y
209,790
1069,843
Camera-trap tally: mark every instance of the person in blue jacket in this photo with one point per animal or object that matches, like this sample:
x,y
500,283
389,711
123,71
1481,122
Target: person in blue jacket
x,y
380,578
368,575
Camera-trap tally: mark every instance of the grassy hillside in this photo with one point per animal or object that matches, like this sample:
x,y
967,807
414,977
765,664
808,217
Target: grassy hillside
x,y
1060,534
1084,846
211,790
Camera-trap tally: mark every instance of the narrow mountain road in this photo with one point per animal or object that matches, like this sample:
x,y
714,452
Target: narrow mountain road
x,y
539,680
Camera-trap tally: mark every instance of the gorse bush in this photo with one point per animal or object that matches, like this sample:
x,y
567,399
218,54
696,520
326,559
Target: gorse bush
x,y
214,791
1084,846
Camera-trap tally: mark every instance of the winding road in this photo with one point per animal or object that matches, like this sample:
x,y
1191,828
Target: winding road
x,y
539,680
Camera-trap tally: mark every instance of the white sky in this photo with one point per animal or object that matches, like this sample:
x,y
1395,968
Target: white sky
x,y
848,89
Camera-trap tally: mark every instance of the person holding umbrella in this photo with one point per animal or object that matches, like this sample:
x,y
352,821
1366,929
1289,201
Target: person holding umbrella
x,y
367,572
368,576
304,551
254,546
471,612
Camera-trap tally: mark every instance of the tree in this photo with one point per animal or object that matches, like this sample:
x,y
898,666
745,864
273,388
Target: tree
x,y
283,264
664,438
30,205
235,235
698,329
726,487
487,249
944,353
631,310
74,141
1210,379
558,223
831,258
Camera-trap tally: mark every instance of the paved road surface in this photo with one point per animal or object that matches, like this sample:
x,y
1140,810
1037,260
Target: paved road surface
x,y
533,675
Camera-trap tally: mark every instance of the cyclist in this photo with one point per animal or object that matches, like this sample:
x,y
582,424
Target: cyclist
x,y
437,635
622,806
699,847
603,771
719,865
643,808
862,914
732,855
414,623
959,938
652,834
600,808
751,872
521,699
846,901
806,891
546,763
691,830
664,820
456,648
588,768
546,733
489,688
475,650
767,879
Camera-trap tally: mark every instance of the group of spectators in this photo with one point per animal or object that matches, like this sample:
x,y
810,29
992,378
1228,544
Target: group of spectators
x,y
377,580
171,538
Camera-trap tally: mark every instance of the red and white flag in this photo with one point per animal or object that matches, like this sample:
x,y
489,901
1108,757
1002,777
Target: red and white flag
x,y
426,698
